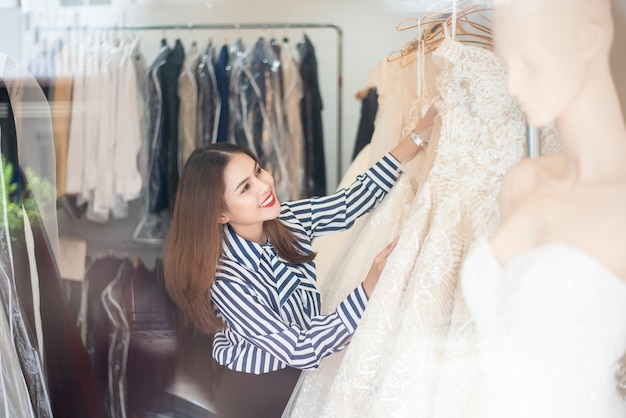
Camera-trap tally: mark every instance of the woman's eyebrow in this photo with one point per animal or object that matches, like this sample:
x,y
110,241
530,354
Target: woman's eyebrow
x,y
247,178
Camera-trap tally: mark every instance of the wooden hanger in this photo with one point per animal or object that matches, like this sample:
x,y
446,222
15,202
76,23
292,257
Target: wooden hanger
x,y
434,26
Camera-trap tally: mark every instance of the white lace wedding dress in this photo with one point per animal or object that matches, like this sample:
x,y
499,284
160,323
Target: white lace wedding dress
x,y
552,329
407,357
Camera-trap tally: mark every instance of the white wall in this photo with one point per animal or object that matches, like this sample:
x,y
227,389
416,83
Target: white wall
x,y
11,32
368,28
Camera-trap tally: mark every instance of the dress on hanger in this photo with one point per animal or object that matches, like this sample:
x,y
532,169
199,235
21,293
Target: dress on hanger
x,y
552,328
392,366
399,109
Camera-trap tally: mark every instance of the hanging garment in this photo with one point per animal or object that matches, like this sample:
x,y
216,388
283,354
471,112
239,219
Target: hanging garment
x,y
209,103
99,137
236,132
392,366
100,192
94,86
15,400
78,115
22,382
365,130
68,378
128,139
399,112
119,339
264,118
151,350
138,61
188,112
551,328
292,97
8,144
400,107
99,328
61,111
221,78
73,392
315,163
164,105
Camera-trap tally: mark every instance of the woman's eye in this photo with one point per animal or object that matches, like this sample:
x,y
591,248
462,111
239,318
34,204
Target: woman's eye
x,y
245,188
258,171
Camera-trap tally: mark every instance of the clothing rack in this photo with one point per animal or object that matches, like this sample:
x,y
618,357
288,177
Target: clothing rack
x,y
533,146
239,26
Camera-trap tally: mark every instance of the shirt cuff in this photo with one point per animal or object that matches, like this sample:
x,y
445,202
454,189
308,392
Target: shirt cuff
x,y
385,172
351,309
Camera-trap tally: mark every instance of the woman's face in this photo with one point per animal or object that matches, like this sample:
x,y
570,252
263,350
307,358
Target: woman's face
x,y
538,47
249,197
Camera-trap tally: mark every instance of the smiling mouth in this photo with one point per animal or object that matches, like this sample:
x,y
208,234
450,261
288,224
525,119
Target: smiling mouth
x,y
269,201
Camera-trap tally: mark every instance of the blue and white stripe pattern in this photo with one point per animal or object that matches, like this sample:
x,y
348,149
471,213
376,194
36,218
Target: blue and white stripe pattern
x,y
272,307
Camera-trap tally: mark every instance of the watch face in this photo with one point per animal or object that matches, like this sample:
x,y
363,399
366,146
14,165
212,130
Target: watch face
x,y
415,137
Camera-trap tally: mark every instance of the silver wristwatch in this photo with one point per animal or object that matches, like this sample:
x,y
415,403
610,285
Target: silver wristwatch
x,y
416,138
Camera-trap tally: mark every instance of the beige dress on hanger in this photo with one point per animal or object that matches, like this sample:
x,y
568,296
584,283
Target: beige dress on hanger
x,y
404,359
340,259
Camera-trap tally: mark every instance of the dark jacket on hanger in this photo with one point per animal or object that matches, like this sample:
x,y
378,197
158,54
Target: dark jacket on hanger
x,y
164,104
369,108
314,160
221,77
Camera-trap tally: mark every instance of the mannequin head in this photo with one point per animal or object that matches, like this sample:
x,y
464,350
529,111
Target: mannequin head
x,y
552,50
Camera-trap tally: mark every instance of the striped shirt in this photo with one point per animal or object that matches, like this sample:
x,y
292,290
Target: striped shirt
x,y
272,308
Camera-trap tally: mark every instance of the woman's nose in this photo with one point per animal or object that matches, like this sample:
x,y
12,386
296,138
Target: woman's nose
x,y
263,183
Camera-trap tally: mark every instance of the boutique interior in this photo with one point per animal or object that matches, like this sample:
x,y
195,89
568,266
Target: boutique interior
x,y
320,90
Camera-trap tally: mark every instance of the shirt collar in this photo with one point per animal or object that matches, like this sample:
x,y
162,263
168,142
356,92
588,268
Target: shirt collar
x,y
244,252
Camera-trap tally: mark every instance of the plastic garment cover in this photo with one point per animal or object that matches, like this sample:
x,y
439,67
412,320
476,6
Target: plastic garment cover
x,y
118,345
164,106
163,109
22,386
209,103
237,60
261,103
34,141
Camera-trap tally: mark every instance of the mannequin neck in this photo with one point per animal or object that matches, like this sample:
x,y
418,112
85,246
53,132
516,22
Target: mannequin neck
x,y
592,128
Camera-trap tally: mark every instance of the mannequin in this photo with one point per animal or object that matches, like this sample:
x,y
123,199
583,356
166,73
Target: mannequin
x,y
547,291
577,197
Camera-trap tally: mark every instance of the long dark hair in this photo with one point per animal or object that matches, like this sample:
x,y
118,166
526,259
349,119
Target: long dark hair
x,y
194,241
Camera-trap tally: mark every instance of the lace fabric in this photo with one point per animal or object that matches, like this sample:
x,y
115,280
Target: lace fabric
x,y
482,135
409,354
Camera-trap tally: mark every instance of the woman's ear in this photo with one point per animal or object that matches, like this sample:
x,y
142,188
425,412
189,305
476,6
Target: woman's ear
x,y
223,218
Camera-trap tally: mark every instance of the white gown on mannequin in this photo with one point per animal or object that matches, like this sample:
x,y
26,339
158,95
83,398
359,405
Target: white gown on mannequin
x,y
394,364
552,328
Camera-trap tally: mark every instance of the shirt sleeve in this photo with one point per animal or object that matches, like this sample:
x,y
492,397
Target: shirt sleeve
x,y
262,328
338,211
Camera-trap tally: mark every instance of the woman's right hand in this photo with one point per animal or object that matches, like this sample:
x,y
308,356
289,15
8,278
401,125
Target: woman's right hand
x,y
377,267
407,149
425,126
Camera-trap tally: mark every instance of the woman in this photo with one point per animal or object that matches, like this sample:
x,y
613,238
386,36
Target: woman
x,y
548,290
240,265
